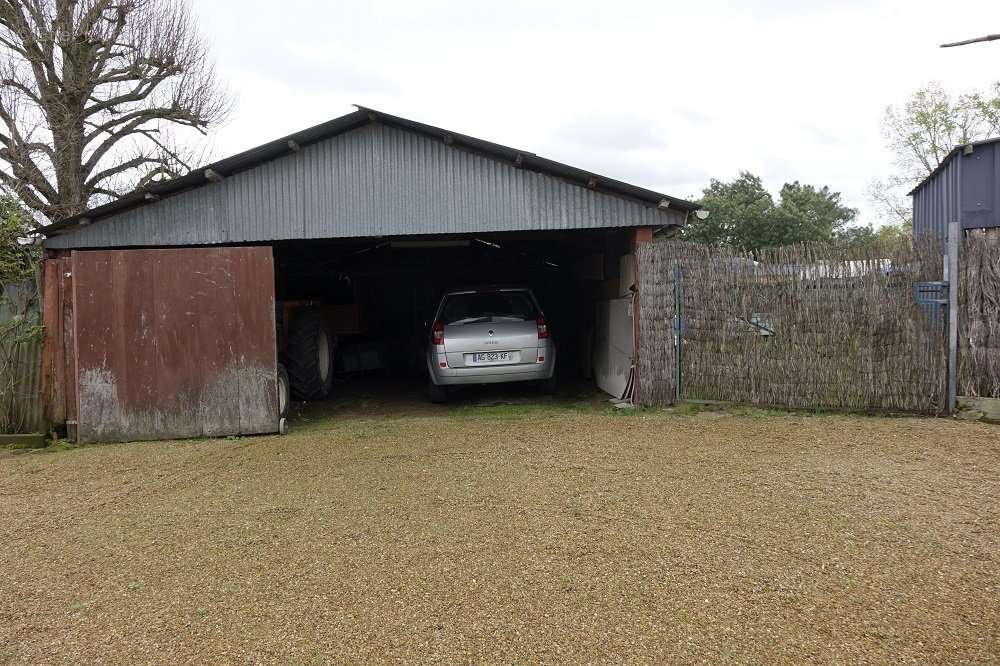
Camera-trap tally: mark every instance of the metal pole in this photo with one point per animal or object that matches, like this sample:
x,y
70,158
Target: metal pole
x,y
954,242
679,331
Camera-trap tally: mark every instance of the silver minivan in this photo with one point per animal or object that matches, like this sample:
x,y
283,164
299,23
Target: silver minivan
x,y
489,335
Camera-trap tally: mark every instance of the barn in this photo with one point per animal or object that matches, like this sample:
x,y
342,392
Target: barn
x,y
964,187
959,203
186,308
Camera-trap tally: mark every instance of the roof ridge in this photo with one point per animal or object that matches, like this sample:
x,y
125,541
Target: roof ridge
x,y
294,142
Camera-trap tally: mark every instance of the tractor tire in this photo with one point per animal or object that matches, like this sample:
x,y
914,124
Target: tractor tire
x,y
309,356
284,391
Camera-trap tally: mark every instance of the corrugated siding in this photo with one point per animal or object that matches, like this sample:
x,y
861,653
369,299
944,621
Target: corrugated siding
x,y
981,187
373,181
937,202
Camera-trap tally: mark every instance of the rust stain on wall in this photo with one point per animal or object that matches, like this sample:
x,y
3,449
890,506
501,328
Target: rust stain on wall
x,y
174,343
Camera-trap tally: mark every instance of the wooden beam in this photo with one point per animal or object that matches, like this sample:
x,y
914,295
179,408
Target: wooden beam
x,y
53,363
642,235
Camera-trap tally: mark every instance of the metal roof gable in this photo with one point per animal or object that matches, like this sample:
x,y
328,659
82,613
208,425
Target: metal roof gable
x,y
947,158
294,142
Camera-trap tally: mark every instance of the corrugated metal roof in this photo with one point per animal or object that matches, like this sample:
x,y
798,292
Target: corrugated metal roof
x,y
367,173
947,159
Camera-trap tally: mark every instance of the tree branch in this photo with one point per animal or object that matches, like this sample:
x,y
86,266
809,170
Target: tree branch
x,y
26,195
121,167
975,40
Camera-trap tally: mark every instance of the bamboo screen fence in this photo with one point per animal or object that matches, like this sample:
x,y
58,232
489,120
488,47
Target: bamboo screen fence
x,y
809,326
979,320
20,360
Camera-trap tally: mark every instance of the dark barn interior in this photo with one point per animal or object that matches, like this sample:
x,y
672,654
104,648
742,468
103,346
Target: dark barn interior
x,y
389,289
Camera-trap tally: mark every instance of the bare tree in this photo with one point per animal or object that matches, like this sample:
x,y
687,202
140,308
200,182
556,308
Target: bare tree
x,y
92,94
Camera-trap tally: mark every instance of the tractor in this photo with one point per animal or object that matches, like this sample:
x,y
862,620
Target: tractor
x,y
307,335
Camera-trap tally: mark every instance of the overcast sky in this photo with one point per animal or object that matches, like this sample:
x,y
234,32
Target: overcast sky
x,y
662,94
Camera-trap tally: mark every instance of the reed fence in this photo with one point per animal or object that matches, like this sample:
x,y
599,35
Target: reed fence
x,y
806,326
21,406
979,309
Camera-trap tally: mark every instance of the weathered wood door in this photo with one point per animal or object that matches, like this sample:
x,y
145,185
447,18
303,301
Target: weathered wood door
x,y
173,343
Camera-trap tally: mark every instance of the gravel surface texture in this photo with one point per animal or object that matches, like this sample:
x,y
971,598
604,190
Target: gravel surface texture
x,y
511,534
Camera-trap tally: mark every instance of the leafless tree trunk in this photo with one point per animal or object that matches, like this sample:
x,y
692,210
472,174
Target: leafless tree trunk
x,y
92,93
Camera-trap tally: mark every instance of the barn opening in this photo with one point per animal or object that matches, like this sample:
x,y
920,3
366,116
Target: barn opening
x,y
379,295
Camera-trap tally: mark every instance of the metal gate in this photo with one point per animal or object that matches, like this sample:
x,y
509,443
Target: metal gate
x,y
803,326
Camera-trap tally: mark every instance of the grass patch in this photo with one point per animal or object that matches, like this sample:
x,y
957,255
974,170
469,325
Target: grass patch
x,y
519,410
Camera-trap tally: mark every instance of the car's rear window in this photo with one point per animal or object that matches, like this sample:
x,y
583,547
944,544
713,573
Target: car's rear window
x,y
488,306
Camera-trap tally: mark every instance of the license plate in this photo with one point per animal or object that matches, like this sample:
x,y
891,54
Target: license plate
x,y
491,357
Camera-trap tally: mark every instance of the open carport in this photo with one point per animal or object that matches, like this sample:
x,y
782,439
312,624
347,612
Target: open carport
x,y
383,292
173,312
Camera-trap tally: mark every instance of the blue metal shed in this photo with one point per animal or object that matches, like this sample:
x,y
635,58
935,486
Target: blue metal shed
x,y
965,186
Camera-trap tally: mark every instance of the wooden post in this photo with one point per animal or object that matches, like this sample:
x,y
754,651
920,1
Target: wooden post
x,y
642,235
53,364
679,332
954,281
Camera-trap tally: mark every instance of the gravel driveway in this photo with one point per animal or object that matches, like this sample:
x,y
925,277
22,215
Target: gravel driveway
x,y
557,534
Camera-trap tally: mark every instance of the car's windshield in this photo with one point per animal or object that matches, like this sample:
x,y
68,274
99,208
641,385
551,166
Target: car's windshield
x,y
488,307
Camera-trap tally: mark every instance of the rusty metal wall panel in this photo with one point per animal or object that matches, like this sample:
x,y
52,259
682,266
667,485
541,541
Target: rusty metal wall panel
x,y
376,180
59,347
69,369
174,343
53,349
255,324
